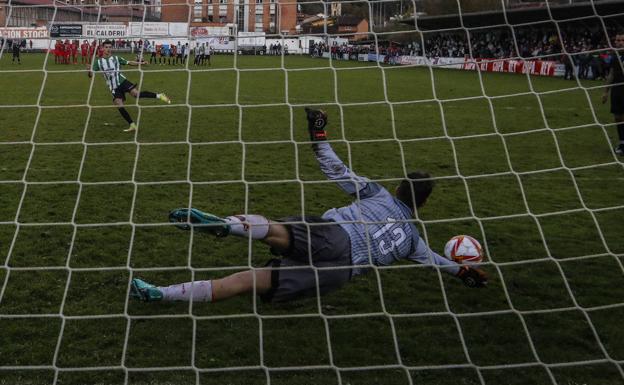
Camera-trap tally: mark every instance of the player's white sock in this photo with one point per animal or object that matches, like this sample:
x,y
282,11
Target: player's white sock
x,y
243,225
201,291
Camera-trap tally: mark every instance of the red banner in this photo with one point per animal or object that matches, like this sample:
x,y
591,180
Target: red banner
x,y
532,67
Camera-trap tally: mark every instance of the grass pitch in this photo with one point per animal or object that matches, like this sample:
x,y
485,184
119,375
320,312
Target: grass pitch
x,y
525,165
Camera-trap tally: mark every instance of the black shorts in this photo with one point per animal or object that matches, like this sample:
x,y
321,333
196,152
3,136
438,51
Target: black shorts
x,y
617,100
120,92
318,246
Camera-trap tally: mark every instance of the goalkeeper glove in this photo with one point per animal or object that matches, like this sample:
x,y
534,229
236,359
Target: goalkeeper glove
x,y
317,120
472,277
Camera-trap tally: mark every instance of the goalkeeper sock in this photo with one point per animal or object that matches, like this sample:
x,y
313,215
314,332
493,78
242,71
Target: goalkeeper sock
x,y
200,290
148,94
125,115
243,225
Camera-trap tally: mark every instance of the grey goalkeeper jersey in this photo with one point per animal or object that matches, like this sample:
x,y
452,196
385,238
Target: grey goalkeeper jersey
x,y
379,225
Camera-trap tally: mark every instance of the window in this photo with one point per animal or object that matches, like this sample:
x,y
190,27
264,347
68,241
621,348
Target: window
x,y
258,1
197,12
222,19
258,19
241,16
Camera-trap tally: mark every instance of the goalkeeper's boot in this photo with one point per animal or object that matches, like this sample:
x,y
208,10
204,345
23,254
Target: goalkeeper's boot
x,y
164,98
144,291
133,127
199,221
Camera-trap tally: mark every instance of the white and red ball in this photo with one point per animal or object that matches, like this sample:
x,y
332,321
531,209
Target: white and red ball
x,y
463,249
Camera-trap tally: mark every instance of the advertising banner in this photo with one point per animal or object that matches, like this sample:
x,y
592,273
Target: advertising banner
x,y
178,29
218,43
199,32
102,31
23,32
66,30
413,60
531,67
148,29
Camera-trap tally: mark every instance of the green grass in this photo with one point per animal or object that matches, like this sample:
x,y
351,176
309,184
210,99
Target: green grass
x,y
514,177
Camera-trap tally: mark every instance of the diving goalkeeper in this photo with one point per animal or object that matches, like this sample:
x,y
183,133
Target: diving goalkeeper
x,y
118,84
376,229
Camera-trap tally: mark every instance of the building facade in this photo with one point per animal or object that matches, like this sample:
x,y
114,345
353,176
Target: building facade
x,y
269,16
28,13
349,27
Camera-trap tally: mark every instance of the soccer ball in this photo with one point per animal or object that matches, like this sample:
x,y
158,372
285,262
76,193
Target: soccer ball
x,y
463,249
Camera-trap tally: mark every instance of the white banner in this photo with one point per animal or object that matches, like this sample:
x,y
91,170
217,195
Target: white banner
x,y
219,43
251,39
106,30
24,33
449,62
139,30
413,60
179,29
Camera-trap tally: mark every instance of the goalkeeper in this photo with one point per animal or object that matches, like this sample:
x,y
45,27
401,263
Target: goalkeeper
x,y
117,82
376,229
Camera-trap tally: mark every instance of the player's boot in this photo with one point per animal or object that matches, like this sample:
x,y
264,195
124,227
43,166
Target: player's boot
x,y
199,221
164,98
144,291
133,127
619,150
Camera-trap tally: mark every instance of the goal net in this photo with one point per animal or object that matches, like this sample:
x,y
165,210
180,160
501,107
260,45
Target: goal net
x,y
501,102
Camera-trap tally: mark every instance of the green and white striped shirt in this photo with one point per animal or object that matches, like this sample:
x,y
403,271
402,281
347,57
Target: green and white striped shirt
x,y
110,68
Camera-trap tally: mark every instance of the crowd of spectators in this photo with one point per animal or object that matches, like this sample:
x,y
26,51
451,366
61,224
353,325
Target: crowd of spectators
x,y
586,46
276,49
524,42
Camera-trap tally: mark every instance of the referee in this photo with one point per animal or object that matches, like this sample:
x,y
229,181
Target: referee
x,y
615,84
16,52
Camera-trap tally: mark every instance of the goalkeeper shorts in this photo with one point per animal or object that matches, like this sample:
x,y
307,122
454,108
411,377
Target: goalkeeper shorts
x,y
316,242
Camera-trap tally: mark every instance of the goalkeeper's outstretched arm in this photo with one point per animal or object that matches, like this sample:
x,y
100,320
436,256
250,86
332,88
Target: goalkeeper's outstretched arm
x,y
331,165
